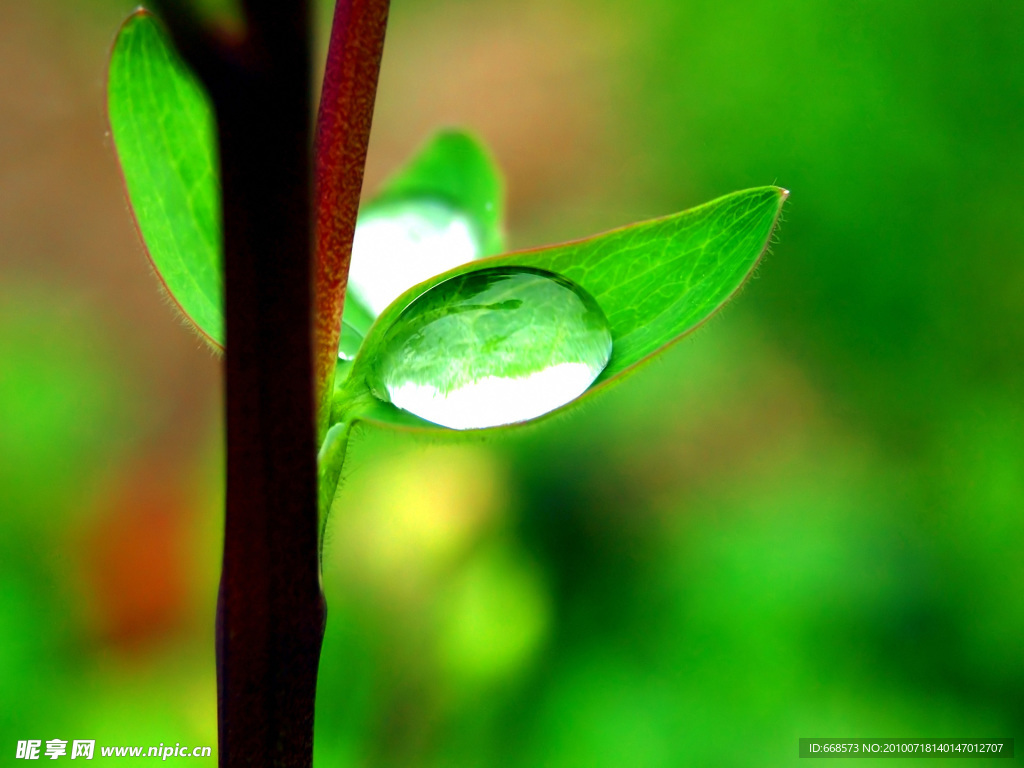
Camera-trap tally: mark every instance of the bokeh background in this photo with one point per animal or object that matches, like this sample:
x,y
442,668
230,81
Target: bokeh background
x,y
804,521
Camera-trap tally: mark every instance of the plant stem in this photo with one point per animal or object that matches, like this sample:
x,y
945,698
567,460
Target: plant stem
x,y
331,461
271,611
342,138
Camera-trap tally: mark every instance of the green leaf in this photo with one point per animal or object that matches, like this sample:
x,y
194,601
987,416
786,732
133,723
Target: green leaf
x,y
655,281
443,209
455,168
165,134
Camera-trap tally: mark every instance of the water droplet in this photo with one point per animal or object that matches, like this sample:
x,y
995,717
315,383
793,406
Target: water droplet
x,y
492,347
350,341
401,243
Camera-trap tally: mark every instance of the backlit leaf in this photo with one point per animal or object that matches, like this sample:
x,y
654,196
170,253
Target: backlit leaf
x,y
443,209
165,134
655,281
455,168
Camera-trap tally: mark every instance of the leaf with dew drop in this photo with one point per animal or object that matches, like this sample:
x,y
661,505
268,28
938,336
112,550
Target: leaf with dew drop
x,y
655,282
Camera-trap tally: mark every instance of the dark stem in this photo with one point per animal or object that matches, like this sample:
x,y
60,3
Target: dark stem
x,y
271,610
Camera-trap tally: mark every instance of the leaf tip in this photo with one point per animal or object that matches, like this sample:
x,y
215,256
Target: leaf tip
x,y
782,195
138,13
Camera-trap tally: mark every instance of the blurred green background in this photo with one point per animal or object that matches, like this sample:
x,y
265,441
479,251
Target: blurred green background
x,y
804,521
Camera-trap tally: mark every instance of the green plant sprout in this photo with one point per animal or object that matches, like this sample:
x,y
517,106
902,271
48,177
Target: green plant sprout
x,y
437,222
442,331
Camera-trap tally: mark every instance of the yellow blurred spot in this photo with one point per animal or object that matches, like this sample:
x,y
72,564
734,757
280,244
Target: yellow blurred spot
x,y
405,522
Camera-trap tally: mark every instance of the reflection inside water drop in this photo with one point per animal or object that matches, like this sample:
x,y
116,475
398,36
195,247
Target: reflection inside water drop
x,y
496,400
493,347
402,243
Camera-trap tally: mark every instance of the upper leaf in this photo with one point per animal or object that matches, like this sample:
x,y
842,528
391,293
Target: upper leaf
x,y
455,168
165,135
655,281
444,208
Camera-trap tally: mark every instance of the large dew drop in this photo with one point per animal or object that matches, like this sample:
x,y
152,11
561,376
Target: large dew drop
x,y
405,242
492,347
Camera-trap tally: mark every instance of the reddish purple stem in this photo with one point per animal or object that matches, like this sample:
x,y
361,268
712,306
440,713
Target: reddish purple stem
x,y
342,137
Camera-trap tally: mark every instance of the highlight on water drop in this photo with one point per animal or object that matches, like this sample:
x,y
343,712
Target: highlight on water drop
x,y
492,347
